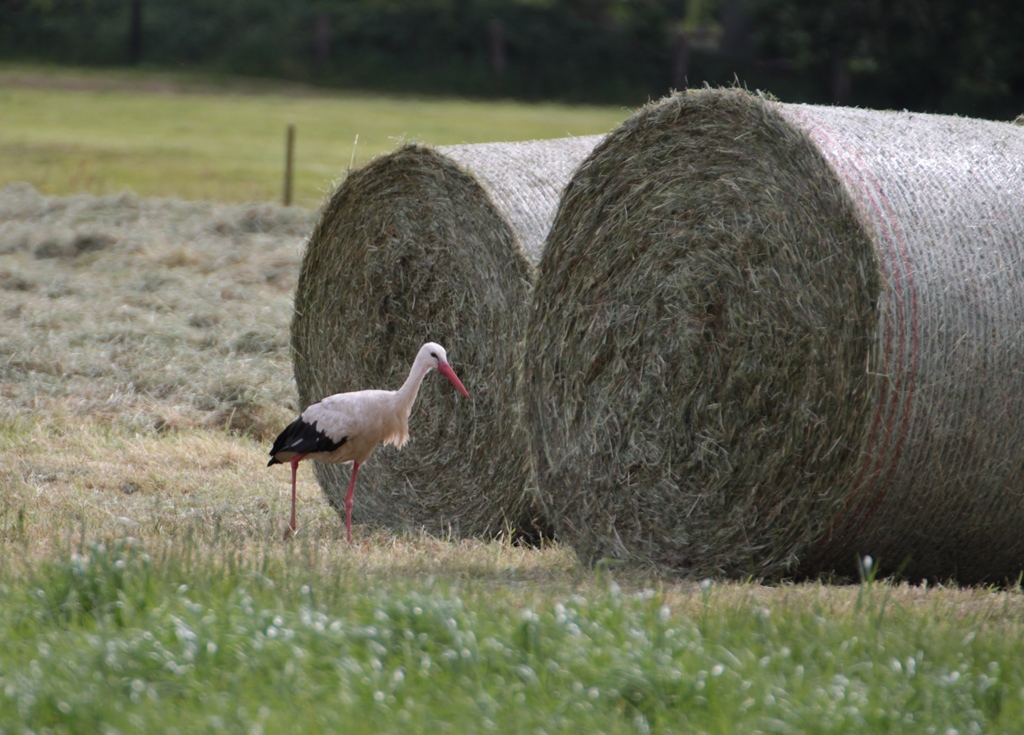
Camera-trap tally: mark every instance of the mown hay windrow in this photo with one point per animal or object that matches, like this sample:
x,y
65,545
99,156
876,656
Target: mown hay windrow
x,y
768,339
434,244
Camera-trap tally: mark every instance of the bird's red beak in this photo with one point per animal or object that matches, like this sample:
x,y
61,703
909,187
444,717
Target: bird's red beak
x,y
446,370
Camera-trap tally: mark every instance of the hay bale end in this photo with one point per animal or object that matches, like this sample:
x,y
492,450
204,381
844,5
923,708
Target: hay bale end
x,y
767,339
434,244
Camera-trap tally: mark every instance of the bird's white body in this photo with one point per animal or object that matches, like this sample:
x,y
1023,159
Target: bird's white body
x,y
366,417
348,427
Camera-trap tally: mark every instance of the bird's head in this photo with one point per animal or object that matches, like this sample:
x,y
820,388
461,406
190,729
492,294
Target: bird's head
x,y
434,356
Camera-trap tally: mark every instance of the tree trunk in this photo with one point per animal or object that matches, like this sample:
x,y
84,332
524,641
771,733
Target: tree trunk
x,y
497,46
841,82
322,38
736,30
680,60
135,33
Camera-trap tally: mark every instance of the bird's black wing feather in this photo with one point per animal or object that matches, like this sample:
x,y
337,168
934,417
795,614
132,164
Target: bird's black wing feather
x,y
303,437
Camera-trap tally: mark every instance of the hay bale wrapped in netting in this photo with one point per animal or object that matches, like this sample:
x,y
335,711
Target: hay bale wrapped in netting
x,y
767,339
434,244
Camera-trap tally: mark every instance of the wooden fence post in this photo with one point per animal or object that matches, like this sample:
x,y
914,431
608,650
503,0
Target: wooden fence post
x,y
289,160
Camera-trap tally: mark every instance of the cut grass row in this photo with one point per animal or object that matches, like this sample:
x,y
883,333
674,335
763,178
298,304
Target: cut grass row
x,y
172,136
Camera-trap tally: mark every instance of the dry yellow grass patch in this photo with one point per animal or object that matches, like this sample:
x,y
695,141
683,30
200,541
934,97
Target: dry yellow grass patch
x,y
157,314
71,479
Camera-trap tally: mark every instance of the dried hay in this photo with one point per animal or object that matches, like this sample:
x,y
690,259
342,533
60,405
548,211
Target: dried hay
x,y
434,244
151,314
767,339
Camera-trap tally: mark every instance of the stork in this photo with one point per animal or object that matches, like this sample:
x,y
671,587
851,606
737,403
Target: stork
x,y
347,427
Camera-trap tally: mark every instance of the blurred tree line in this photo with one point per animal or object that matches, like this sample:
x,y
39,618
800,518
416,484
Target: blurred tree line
x,y
962,56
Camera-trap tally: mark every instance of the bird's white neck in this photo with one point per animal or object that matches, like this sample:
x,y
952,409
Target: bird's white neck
x,y
406,395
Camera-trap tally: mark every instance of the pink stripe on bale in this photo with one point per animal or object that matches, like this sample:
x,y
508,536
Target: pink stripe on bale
x,y
867,190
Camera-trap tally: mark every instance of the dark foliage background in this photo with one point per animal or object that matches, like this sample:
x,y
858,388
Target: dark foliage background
x,y
928,55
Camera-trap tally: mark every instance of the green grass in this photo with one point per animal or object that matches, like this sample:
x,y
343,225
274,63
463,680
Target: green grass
x,y
160,135
178,638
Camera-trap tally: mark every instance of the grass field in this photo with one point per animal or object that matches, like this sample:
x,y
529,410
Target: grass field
x,y
145,585
218,139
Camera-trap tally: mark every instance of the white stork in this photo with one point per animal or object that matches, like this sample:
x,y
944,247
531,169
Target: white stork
x,y
347,427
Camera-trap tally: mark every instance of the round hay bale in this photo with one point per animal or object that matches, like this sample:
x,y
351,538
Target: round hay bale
x,y
769,339
434,244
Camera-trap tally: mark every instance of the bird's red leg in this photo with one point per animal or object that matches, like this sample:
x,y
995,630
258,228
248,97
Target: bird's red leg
x,y
348,501
295,467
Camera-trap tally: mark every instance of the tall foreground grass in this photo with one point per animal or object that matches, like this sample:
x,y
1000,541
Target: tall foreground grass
x,y
178,637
